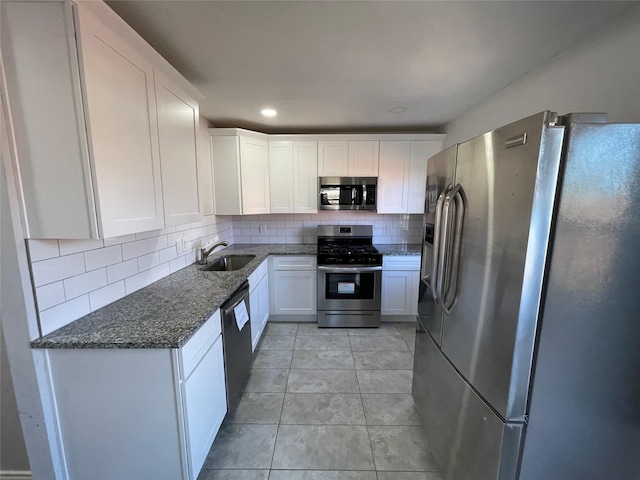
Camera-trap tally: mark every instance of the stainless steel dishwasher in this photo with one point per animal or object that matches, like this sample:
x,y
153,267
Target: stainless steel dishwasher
x,y
236,345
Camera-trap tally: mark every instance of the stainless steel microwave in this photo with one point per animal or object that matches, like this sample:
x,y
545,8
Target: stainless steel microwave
x,y
347,193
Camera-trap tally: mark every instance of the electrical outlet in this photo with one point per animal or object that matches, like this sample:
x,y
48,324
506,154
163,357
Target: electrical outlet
x,y
179,245
389,230
262,228
188,245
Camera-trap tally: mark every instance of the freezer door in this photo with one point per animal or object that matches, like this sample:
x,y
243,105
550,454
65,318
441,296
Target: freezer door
x,y
490,332
467,439
440,175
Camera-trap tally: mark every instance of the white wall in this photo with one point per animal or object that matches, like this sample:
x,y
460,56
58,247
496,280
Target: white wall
x,y
600,74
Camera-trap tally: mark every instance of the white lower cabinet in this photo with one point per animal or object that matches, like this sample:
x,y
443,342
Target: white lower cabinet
x,y
140,413
293,285
258,302
400,283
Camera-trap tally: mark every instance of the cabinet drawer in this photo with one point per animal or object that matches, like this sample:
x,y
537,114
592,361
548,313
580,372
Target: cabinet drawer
x,y
258,274
401,262
198,345
293,262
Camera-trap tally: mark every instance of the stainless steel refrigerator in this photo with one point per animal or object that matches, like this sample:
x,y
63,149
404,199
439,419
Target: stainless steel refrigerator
x,y
527,360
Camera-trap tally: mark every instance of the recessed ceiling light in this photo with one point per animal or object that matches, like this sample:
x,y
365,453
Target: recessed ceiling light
x,y
269,112
398,109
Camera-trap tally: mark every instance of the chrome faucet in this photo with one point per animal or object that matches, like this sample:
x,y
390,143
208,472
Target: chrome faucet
x,y
204,254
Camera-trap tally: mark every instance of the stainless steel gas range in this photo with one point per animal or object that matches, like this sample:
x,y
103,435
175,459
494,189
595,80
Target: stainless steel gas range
x,y
349,277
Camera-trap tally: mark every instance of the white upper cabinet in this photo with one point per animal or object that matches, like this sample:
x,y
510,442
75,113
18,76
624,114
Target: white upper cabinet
x,y
178,124
254,169
293,172
305,177
97,172
240,171
333,158
348,158
281,176
393,179
403,174
363,158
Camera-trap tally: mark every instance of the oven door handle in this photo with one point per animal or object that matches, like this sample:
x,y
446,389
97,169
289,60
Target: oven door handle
x,y
352,269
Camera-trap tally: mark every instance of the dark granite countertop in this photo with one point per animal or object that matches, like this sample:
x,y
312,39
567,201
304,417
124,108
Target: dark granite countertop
x,y
168,312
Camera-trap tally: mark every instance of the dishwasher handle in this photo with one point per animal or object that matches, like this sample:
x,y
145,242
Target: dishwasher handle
x,y
238,296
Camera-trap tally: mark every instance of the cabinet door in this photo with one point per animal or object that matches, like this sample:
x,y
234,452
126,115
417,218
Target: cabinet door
x,y
420,152
293,292
400,292
263,301
122,125
393,178
333,159
259,306
205,405
225,158
281,172
254,168
305,177
178,124
363,158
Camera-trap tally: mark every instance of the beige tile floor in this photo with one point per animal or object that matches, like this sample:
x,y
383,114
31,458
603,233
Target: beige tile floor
x,y
325,404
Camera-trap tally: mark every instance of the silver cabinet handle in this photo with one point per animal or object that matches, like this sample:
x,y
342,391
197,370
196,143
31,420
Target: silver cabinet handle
x,y
436,243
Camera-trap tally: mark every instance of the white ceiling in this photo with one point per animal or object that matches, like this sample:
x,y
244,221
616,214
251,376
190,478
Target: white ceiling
x,y
342,65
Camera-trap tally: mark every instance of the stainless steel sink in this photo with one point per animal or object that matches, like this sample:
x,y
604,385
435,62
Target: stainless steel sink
x,y
228,263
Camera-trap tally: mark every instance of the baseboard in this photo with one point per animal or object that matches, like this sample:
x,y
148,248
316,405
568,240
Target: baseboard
x,y
15,475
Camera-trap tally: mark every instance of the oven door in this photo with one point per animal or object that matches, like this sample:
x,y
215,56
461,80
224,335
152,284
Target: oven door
x,y
349,288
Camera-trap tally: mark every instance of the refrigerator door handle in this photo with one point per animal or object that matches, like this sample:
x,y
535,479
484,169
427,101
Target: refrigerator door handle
x,y
445,248
436,243
451,277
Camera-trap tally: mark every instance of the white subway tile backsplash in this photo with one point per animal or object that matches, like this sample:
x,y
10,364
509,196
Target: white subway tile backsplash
x,y
68,247
134,249
103,257
167,254
159,272
137,282
149,234
85,283
158,243
148,261
43,249
122,270
177,264
106,295
50,295
60,315
54,269
119,240
116,267
294,224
